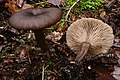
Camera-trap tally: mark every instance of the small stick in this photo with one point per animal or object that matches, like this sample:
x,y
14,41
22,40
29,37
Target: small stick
x,y
43,70
115,45
70,10
24,1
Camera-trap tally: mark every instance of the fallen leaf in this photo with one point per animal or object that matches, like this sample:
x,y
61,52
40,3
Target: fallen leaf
x,y
31,35
118,61
16,5
24,52
102,72
54,36
11,5
7,61
103,16
25,6
20,71
20,2
56,2
1,47
116,73
117,52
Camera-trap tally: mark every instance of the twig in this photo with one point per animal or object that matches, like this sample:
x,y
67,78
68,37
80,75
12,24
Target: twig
x,y
24,1
43,70
70,10
117,46
29,59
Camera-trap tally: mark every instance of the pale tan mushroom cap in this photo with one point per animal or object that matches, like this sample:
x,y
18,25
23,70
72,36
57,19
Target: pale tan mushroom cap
x,y
97,33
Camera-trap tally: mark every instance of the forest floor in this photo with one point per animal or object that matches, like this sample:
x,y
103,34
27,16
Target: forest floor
x,y
20,59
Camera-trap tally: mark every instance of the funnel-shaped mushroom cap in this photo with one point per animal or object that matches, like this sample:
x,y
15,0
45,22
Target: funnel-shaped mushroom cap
x,y
35,18
97,33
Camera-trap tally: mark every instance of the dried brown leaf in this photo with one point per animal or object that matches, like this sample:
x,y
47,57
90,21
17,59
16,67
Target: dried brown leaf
x,y
25,6
16,5
54,36
11,5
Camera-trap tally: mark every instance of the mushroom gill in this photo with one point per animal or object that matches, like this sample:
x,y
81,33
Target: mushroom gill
x,y
89,35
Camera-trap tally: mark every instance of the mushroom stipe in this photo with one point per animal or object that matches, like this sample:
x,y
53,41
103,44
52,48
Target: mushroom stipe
x,y
83,51
36,19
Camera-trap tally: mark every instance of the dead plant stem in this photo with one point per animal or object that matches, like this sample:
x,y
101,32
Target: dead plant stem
x,y
66,17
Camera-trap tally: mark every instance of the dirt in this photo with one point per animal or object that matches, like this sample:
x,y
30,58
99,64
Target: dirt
x,y
20,59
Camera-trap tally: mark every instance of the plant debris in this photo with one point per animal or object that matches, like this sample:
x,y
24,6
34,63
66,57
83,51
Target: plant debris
x,y
20,59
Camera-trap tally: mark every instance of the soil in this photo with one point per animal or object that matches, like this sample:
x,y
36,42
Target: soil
x,y
20,59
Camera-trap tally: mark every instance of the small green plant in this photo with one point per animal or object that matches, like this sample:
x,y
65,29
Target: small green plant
x,y
4,52
69,2
86,4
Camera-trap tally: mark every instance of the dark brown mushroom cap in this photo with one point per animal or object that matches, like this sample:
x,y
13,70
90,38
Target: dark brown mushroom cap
x,y
90,30
35,18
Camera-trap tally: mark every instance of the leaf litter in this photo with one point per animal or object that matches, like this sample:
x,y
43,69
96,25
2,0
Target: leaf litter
x,y
24,61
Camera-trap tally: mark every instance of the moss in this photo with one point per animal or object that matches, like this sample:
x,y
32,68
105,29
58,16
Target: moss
x,y
86,4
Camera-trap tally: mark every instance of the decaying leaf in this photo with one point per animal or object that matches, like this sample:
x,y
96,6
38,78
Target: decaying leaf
x,y
20,71
54,36
56,2
110,3
102,72
11,4
24,52
117,53
1,47
116,73
26,6
16,5
8,60
118,61
20,2
103,16
31,35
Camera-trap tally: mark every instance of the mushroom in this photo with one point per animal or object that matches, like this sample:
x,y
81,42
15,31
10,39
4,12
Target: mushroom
x,y
36,19
89,36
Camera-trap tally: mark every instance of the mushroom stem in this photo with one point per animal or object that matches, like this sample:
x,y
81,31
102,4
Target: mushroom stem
x,y
83,51
40,38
